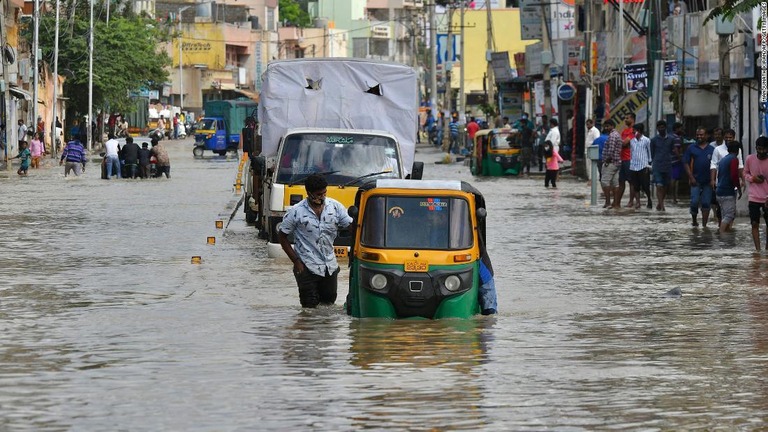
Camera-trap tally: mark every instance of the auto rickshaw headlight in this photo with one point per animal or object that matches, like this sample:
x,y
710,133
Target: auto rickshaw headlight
x,y
452,283
498,159
379,281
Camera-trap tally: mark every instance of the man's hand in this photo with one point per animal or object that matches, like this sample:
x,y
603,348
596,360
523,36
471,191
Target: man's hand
x,y
758,179
298,267
61,162
692,180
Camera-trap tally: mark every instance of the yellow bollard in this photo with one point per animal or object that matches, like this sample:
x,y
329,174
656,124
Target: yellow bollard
x,y
219,224
197,259
211,240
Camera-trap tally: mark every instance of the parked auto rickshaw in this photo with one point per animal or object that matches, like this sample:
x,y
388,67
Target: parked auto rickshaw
x,y
496,153
416,249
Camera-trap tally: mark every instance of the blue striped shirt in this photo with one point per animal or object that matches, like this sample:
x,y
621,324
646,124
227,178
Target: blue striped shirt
x,y
454,126
641,153
74,152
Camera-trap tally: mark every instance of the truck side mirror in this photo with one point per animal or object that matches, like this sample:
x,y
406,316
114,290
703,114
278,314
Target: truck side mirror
x,y
352,211
417,171
481,213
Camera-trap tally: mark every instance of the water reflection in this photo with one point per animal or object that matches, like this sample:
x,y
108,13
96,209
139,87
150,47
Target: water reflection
x,y
421,372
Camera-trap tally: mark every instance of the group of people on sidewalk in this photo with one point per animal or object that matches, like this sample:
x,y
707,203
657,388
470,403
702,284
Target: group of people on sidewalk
x,y
716,170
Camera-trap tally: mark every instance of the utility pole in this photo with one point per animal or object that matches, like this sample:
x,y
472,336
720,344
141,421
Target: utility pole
x,y
54,135
448,65
546,51
463,58
589,101
724,81
432,58
6,88
490,48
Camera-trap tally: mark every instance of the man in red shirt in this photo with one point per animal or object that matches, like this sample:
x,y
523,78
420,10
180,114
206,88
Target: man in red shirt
x,y
472,128
626,136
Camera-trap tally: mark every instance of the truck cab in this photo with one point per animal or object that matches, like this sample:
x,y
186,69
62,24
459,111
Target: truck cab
x,y
219,130
347,119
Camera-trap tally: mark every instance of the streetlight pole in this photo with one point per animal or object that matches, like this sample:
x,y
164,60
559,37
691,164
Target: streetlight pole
x,y
36,64
181,77
54,135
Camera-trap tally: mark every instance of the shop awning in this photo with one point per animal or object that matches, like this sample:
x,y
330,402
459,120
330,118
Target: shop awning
x,y
20,94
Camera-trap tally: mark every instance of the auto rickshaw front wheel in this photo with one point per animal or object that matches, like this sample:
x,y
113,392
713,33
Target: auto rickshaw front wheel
x,y
198,151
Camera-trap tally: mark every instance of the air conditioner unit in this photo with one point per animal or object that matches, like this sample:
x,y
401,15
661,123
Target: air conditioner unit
x,y
242,76
380,32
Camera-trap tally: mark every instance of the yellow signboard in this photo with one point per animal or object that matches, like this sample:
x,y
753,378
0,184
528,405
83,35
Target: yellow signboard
x,y
201,44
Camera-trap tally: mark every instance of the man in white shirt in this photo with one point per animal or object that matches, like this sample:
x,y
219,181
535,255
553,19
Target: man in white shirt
x,y
592,134
112,156
721,151
553,135
639,179
22,132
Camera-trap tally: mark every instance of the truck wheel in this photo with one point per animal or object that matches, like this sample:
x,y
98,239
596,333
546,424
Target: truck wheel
x,y
221,152
198,151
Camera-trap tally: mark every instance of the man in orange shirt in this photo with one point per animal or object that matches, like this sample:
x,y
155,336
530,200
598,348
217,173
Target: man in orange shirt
x,y
626,136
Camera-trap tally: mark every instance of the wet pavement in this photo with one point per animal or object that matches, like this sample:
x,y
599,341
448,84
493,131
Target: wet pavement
x,y
106,324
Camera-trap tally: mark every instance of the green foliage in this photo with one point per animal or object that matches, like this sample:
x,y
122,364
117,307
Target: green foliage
x,y
126,57
292,12
732,8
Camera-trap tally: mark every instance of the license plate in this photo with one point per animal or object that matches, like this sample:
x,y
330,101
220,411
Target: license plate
x,y
340,252
416,266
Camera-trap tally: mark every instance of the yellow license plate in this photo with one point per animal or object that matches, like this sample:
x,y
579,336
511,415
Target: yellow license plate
x,y
340,252
416,266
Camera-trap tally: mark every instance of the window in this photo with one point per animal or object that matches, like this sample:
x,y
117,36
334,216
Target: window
x,y
271,19
344,157
426,222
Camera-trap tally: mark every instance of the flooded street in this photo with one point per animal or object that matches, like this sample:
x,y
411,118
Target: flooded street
x,y
105,324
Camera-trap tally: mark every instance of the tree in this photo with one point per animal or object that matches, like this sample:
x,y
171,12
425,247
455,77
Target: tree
x,y
292,12
731,8
125,55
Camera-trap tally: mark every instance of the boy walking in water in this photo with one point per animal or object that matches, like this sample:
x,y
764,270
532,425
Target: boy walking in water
x,y
24,156
756,174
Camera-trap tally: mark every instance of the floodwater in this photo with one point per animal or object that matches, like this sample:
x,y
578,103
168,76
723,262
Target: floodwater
x,y
105,324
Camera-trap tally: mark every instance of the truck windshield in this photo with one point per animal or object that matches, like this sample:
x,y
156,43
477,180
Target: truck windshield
x,y
424,222
347,157
207,124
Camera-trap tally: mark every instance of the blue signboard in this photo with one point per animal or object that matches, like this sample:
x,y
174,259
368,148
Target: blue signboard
x,y
442,48
565,92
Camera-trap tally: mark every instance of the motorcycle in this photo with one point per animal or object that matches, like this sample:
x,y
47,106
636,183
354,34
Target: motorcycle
x,y
157,133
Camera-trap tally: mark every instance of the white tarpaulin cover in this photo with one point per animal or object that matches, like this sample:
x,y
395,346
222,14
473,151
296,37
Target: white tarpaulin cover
x,y
340,95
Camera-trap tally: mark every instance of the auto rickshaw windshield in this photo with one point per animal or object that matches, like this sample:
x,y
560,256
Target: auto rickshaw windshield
x,y
501,142
417,222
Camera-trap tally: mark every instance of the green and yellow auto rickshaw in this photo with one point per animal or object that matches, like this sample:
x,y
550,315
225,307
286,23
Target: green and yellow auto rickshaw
x,y
496,153
416,249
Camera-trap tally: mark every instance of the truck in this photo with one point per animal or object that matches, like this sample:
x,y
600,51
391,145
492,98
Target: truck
x,y
347,119
219,130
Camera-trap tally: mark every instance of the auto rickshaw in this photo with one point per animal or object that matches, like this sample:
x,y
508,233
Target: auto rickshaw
x,y
496,153
416,249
